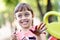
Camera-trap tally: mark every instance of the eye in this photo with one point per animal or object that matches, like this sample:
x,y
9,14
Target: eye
x,y
20,16
27,14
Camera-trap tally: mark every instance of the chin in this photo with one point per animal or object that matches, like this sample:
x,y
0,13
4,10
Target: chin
x,y
25,26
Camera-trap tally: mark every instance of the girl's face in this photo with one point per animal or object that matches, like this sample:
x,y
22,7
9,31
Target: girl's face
x,y
24,18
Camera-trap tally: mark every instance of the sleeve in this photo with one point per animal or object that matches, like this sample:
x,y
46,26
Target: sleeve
x,y
52,38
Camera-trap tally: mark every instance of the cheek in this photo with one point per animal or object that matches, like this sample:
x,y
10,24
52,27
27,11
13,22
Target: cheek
x,y
31,19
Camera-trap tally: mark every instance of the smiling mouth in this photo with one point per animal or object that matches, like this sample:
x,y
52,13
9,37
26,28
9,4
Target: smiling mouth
x,y
25,22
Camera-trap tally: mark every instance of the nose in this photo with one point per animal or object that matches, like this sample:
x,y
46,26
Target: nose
x,y
23,17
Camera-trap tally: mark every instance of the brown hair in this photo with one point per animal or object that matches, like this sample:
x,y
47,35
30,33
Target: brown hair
x,y
23,7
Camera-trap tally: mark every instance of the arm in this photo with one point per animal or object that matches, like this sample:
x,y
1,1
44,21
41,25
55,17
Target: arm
x,y
43,36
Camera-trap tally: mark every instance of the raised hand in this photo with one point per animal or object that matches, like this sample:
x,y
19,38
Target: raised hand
x,y
39,29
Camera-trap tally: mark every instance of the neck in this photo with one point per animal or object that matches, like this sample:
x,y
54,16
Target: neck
x,y
26,29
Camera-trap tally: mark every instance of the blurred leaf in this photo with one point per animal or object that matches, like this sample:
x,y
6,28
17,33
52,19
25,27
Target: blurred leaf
x,y
11,2
2,20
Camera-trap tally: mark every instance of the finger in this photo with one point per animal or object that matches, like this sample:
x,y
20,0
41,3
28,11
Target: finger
x,y
42,26
39,27
35,27
43,30
32,31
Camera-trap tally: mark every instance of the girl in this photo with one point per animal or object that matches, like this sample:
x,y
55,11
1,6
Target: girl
x,y
24,16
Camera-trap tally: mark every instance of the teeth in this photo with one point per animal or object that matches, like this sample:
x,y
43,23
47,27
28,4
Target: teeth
x,y
25,23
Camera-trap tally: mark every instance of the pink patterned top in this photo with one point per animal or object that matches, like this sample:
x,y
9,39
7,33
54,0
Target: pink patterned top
x,y
28,34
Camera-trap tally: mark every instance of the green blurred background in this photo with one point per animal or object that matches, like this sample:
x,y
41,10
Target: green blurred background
x,y
40,7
